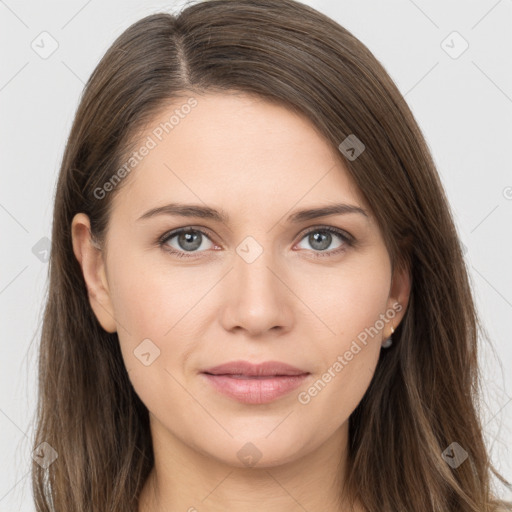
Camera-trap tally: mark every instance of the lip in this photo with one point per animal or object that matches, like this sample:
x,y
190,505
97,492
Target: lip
x,y
255,383
267,368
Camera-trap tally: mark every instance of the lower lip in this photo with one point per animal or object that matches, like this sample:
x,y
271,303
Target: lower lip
x,y
260,390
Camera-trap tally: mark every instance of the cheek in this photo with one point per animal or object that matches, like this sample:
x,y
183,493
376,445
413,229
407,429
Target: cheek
x,y
150,296
348,298
164,304
150,305
349,301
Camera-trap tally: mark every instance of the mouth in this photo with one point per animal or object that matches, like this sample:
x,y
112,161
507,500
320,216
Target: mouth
x,y
255,383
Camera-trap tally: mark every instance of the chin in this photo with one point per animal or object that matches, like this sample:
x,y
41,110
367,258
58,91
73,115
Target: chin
x,y
257,451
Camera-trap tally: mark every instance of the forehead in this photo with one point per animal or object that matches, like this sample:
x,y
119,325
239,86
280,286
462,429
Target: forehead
x,y
235,151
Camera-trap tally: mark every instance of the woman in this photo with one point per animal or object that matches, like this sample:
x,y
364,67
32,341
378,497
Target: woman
x,y
257,298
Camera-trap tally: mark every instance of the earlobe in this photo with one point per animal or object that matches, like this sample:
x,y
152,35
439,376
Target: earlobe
x,y
91,260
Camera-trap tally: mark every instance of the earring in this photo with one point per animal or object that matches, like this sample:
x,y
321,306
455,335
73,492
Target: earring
x,y
387,343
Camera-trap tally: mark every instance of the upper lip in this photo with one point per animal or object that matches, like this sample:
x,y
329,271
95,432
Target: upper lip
x,y
254,370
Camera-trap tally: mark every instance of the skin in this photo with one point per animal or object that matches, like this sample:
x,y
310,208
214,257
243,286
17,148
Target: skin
x,y
259,162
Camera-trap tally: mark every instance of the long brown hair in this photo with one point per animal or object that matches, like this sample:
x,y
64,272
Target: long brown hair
x,y
286,52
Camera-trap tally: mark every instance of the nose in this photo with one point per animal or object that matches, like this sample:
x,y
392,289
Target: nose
x,y
257,299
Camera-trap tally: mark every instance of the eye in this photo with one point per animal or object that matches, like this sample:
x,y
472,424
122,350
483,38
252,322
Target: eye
x,y
185,240
321,238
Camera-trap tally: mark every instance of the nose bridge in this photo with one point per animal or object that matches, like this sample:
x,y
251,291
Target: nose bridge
x,y
251,268
257,299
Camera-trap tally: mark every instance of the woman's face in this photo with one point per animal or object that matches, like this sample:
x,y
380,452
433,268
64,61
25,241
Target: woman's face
x,y
262,284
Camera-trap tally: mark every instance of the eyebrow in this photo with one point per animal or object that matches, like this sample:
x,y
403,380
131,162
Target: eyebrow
x,y
205,212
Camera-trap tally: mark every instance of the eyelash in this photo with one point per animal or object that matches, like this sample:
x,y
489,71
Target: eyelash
x,y
347,240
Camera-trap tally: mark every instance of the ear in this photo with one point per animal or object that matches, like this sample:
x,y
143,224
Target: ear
x,y
398,296
90,258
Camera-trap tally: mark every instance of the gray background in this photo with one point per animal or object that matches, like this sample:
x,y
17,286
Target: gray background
x,y
463,104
